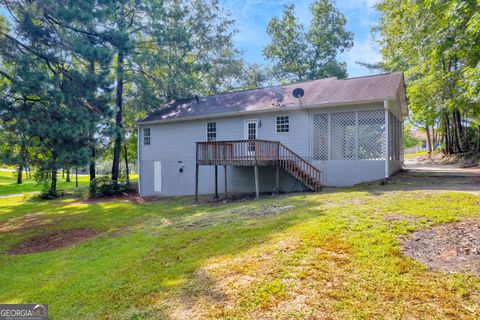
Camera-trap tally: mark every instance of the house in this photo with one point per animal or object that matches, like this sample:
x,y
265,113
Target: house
x,y
423,145
328,132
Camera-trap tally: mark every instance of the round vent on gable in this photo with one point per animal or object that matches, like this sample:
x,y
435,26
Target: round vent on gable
x,y
298,93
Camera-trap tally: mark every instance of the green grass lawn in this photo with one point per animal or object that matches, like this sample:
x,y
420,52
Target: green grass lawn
x,y
416,154
8,183
330,255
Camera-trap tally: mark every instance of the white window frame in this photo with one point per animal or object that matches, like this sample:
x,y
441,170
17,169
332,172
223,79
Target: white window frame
x,y
145,136
207,132
287,124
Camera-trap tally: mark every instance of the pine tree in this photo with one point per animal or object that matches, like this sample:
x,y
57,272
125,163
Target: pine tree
x,y
52,87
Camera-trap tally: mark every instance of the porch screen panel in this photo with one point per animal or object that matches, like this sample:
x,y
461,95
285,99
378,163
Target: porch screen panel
x,y
371,135
390,136
395,138
342,136
320,136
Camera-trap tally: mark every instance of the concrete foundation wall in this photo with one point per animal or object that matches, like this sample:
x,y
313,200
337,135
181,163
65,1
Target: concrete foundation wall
x,y
349,173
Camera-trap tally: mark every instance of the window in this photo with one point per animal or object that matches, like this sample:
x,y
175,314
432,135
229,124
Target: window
x,y
283,124
146,136
211,131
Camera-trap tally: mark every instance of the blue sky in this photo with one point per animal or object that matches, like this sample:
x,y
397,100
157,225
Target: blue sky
x,y
252,17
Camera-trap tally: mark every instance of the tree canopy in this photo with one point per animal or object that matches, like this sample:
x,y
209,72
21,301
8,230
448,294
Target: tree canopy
x,y
77,74
436,44
300,54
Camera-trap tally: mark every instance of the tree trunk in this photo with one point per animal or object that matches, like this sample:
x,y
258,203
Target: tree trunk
x,y
21,162
20,173
446,127
93,173
76,177
118,119
478,139
457,132
53,185
53,169
63,173
126,163
429,141
68,175
91,134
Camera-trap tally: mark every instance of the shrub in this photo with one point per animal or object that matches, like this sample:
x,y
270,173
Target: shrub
x,y
104,187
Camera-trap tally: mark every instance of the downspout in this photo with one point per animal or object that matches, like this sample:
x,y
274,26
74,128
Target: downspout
x,y
386,107
138,158
310,133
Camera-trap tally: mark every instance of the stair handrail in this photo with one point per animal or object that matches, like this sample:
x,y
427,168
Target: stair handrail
x,y
312,170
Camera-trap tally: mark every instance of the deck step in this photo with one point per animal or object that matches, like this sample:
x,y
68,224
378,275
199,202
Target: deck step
x,y
299,168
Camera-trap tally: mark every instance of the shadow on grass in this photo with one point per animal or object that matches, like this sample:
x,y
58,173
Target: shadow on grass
x,y
162,246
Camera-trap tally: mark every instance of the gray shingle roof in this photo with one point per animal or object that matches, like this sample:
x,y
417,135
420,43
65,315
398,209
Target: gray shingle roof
x,y
317,92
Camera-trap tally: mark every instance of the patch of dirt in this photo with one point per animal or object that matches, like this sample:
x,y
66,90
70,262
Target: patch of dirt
x,y
450,247
52,241
269,211
399,218
26,222
130,198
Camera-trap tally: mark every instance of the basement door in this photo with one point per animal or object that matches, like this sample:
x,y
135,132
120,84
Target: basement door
x,y
157,176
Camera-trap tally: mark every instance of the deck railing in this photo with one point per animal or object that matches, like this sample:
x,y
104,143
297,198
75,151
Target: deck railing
x,y
298,167
237,152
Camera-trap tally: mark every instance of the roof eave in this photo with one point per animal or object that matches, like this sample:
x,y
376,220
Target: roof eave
x,y
268,110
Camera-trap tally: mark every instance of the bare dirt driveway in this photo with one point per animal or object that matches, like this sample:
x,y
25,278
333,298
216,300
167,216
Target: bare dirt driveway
x,y
427,174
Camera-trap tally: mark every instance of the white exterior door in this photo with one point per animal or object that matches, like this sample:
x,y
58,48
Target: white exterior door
x,y
251,130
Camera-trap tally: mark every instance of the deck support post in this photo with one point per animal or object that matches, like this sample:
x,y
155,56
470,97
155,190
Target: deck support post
x,y
226,192
277,179
216,182
257,191
196,182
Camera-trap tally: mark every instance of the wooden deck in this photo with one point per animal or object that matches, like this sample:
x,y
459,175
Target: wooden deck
x,y
255,153
238,153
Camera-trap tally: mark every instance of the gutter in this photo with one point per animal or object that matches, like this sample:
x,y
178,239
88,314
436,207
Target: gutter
x,y
138,160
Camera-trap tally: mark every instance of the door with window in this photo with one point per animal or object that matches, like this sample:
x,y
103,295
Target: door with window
x,y
251,129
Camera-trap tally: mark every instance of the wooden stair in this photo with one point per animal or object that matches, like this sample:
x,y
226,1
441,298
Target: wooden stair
x,y
299,168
